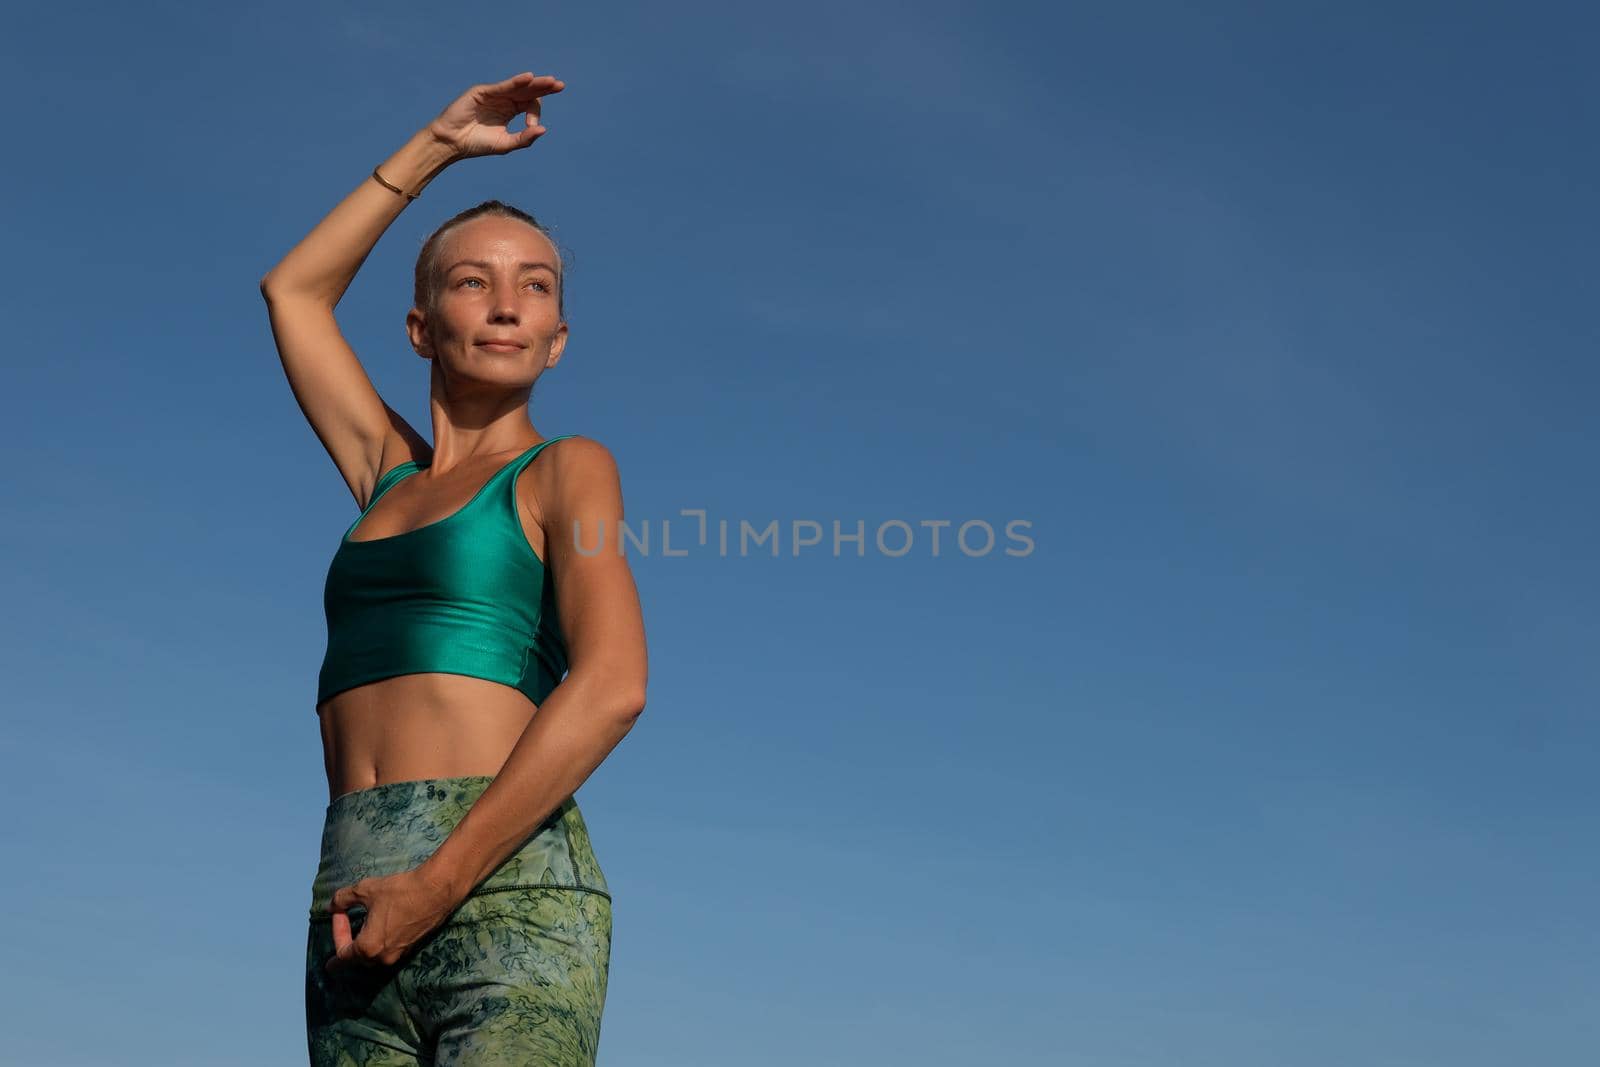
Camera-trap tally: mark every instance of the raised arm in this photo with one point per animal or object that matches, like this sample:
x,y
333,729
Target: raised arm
x,y
362,434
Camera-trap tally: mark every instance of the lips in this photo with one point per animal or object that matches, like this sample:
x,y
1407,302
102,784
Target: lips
x,y
499,344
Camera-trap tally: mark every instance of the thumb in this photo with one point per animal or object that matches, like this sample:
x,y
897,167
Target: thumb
x,y
347,897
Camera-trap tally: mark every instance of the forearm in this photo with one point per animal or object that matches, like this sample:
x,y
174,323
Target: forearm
x,y
577,727
325,261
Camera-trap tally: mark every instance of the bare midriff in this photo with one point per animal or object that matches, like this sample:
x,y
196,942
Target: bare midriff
x,y
416,726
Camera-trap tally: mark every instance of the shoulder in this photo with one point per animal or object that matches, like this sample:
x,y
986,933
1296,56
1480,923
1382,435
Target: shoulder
x,y
574,474
577,459
579,453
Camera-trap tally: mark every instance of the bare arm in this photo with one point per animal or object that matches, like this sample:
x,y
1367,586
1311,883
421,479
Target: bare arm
x,y
325,261
362,434
329,383
595,706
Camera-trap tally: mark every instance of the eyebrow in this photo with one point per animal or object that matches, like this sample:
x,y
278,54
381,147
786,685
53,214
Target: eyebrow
x,y
489,266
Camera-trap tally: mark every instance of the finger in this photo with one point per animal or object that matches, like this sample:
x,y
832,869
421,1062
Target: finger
x,y
341,930
353,895
543,83
341,944
354,952
537,86
345,957
521,95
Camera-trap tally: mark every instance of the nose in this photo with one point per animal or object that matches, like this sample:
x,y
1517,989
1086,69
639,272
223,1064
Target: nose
x,y
505,307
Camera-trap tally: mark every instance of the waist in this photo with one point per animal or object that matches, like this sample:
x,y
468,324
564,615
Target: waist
x,y
394,827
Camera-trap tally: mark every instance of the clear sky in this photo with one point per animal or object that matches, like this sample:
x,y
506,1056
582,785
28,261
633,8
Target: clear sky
x,y
1273,321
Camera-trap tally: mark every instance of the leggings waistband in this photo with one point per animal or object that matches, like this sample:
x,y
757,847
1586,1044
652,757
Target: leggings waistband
x,y
393,827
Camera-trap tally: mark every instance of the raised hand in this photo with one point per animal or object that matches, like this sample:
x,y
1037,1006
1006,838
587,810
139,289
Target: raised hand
x,y
476,124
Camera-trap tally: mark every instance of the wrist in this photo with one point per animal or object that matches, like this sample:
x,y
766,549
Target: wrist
x,y
434,153
438,145
450,883
418,162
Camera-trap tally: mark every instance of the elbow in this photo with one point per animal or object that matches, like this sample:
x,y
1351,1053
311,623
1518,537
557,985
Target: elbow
x,y
607,690
626,698
273,286
631,701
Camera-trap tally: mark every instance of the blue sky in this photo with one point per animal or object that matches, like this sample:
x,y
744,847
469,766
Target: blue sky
x,y
1273,321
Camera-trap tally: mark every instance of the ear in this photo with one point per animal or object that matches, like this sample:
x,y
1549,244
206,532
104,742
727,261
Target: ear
x,y
417,331
558,345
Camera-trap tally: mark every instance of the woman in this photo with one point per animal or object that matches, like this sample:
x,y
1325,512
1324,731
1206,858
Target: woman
x,y
459,915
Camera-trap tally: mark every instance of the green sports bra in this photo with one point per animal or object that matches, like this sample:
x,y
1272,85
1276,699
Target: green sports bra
x,y
464,595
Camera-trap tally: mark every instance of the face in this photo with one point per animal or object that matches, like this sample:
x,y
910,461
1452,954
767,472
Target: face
x,y
508,295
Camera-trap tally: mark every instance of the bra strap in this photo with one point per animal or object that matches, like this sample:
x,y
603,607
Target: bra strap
x,y
516,467
385,483
394,474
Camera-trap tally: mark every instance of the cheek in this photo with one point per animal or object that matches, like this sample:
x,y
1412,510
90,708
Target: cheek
x,y
451,321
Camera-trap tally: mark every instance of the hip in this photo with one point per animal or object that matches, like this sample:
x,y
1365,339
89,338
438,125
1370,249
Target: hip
x,y
386,829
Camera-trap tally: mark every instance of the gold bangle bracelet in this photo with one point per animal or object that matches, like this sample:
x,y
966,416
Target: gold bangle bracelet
x,y
390,185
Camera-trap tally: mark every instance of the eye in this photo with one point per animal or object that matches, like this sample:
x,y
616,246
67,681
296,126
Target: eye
x,y
464,281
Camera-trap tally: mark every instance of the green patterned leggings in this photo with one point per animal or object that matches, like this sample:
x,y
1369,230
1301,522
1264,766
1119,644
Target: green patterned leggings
x,y
516,975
